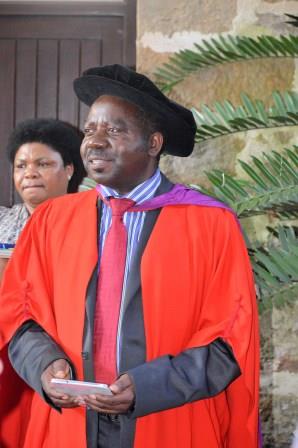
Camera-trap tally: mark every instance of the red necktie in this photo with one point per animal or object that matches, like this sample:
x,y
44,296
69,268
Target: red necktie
x,y
109,292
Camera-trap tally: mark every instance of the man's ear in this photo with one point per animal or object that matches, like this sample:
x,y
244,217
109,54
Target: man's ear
x,y
155,144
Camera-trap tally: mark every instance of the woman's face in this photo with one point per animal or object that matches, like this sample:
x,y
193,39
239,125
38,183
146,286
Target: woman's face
x,y
39,174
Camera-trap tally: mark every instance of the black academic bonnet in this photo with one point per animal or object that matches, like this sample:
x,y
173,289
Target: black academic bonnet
x,y
117,80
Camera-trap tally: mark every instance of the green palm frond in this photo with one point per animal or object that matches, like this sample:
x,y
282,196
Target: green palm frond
x,y
293,21
220,50
276,269
224,118
87,184
273,185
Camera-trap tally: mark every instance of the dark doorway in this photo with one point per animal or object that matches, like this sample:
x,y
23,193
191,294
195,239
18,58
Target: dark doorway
x,y
43,47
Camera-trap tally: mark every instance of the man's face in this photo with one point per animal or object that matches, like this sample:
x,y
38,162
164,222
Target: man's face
x,y
114,150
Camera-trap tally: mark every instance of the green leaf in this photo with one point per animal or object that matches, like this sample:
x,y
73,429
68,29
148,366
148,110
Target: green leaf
x,y
292,50
285,166
265,275
226,53
250,115
269,45
222,112
255,123
283,238
249,105
236,186
246,51
225,193
259,181
282,121
292,156
278,45
283,260
290,102
270,188
222,50
265,171
254,46
281,110
240,124
266,47
275,268
261,111
271,266
213,119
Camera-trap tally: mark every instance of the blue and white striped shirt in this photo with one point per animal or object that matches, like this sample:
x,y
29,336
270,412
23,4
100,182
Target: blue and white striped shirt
x,y
133,221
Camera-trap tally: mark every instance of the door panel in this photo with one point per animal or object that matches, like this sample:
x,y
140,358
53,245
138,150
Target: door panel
x,y
7,119
47,79
25,79
43,48
91,54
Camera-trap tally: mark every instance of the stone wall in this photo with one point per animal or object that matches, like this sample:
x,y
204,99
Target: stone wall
x,y
170,25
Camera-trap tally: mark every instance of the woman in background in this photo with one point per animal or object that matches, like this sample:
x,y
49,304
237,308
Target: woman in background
x,y
45,156
46,162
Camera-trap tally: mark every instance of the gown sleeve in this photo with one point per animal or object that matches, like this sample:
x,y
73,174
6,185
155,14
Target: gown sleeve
x,y
26,289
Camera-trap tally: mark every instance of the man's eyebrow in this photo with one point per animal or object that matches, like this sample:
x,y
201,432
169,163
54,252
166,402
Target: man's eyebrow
x,y
112,122
89,123
119,122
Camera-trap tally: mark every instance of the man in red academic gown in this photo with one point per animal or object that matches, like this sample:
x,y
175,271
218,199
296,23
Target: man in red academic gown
x,y
186,340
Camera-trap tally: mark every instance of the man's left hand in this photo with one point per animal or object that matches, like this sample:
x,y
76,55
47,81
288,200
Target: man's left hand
x,y
119,403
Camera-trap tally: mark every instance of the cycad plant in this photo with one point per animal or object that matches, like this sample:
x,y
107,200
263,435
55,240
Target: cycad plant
x,y
270,182
224,118
221,50
271,188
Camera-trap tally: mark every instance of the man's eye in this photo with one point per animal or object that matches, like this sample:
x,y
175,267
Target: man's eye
x,y
87,131
20,166
44,164
113,130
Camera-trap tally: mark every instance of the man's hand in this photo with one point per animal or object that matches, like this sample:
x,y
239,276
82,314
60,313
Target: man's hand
x,y
119,403
58,369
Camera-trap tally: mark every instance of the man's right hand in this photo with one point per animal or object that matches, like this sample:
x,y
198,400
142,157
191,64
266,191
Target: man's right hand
x,y
58,369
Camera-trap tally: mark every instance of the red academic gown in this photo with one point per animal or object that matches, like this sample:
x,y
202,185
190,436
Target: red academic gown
x,y
197,286
15,398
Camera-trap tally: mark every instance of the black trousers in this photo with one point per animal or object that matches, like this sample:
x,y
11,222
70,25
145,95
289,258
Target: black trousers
x,y
108,432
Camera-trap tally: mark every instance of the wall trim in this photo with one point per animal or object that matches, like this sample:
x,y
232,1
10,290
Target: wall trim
x,y
65,8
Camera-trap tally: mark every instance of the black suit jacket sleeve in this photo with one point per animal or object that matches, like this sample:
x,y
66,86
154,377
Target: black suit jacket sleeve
x,y
31,351
163,383
171,381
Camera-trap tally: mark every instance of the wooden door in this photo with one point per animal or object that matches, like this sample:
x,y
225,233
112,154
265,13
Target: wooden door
x,y
43,47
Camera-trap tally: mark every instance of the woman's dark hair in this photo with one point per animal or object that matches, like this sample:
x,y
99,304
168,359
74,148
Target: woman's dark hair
x,y
62,137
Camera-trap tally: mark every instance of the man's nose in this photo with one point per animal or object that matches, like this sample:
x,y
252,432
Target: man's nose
x,y
98,139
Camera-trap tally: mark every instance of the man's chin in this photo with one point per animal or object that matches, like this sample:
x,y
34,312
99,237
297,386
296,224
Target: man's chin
x,y
99,176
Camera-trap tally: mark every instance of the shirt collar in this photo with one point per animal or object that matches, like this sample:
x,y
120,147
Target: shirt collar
x,y
140,193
